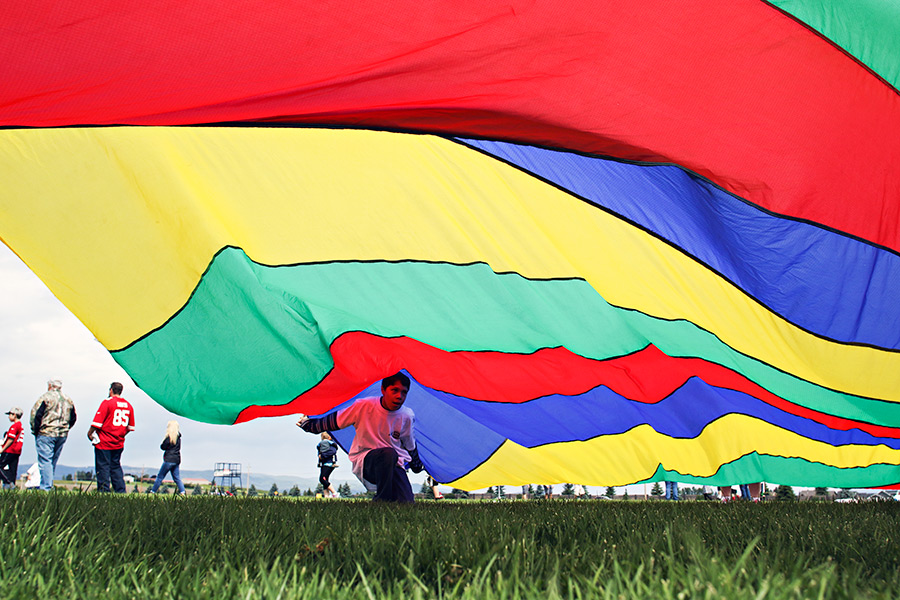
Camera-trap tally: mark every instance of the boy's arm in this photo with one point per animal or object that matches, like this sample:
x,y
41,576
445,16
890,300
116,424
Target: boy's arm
x,y
326,423
97,423
130,427
415,463
408,441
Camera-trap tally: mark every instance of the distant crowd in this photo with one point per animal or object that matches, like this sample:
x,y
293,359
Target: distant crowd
x,y
51,419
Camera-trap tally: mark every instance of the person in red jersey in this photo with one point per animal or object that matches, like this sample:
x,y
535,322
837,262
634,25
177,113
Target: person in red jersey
x,y
113,421
11,449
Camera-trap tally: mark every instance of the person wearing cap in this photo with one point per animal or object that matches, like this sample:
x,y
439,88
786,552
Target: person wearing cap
x,y
52,416
113,421
384,443
11,449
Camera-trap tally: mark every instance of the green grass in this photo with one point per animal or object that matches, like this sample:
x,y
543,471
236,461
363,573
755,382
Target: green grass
x,y
94,546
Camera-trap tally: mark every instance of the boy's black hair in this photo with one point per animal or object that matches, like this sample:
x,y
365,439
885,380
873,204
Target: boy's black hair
x,y
395,378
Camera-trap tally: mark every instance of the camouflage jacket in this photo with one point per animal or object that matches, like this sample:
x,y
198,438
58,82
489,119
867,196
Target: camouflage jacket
x,y
53,415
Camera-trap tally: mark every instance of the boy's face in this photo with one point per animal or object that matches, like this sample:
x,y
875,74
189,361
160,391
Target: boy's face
x,y
394,395
11,416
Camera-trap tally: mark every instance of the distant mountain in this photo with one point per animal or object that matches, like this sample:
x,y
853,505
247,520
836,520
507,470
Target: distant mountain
x,y
262,481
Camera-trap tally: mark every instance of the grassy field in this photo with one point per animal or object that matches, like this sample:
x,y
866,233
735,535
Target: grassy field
x,y
91,546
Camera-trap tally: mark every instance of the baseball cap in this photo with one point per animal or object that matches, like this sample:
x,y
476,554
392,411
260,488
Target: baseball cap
x,y
15,411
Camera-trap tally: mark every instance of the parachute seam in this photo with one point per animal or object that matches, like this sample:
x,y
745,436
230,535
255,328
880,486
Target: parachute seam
x,y
456,138
720,387
628,309
700,433
679,249
834,44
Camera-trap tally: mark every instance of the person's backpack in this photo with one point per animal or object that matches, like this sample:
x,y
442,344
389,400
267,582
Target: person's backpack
x,y
328,455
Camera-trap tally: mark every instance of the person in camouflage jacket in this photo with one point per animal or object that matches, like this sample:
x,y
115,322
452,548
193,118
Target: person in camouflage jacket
x,y
51,418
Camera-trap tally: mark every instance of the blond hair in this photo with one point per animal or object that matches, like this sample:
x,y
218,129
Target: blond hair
x,y
172,431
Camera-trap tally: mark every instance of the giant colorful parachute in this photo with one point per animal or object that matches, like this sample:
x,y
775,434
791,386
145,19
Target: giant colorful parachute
x,y
609,241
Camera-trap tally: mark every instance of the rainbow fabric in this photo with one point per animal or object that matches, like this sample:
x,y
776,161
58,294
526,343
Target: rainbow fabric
x,y
610,242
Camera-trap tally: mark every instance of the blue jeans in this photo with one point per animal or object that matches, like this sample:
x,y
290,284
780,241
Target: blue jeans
x,y
109,468
671,490
176,476
380,467
48,449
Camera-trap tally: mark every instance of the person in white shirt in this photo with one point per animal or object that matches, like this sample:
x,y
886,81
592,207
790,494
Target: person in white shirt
x,y
384,444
